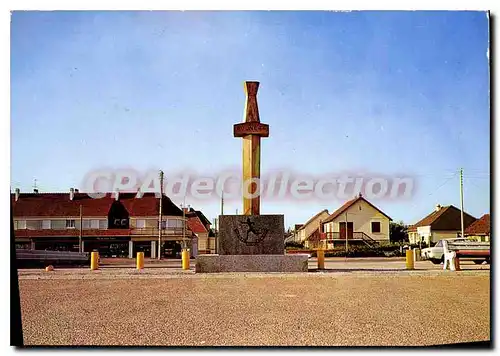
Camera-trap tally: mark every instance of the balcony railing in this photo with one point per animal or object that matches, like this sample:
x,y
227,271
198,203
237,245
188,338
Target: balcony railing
x,y
147,231
350,236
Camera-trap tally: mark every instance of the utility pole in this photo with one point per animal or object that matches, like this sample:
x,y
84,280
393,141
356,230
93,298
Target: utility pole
x,y
462,200
216,232
346,247
184,207
184,225
160,218
222,202
81,230
326,238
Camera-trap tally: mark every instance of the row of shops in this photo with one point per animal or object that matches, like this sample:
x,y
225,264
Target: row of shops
x,y
108,247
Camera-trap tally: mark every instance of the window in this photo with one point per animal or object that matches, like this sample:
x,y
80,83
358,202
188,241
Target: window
x,y
103,224
46,224
20,224
70,224
439,244
140,224
34,224
86,224
58,224
164,224
94,224
375,226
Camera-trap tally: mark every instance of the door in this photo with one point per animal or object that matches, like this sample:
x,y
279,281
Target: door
x,y
350,230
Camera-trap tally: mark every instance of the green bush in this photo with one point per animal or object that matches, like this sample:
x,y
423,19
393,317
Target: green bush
x,y
386,250
365,251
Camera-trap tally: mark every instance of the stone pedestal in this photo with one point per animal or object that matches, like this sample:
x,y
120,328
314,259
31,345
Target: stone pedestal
x,y
251,263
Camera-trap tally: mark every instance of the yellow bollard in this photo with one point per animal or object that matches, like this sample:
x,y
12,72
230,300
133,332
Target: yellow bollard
x,y
410,264
320,253
94,261
140,260
185,258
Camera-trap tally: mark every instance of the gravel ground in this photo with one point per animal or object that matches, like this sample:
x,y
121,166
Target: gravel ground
x,y
171,307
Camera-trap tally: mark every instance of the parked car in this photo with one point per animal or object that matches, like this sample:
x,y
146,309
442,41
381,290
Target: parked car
x,y
435,254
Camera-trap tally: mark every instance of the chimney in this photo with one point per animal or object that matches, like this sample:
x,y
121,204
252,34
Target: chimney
x,y
77,190
71,193
117,195
139,194
438,207
17,192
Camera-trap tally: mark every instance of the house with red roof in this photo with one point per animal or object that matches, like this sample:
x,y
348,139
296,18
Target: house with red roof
x,y
358,221
312,226
442,223
118,224
200,226
479,229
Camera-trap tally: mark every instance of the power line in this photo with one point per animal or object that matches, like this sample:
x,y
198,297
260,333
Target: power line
x,y
474,184
446,181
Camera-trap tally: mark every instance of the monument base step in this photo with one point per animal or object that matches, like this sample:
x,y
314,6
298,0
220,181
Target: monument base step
x,y
251,263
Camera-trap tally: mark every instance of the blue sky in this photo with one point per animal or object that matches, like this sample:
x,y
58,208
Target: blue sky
x,y
382,92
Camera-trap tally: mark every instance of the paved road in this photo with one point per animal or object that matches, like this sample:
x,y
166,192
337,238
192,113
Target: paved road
x,y
331,263
165,306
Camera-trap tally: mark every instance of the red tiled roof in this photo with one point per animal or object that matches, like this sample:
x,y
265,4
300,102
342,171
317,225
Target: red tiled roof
x,y
71,232
429,219
59,205
446,218
202,217
149,205
479,227
195,225
350,203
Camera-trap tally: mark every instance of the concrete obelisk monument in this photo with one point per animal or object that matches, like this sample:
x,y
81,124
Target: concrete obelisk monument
x,y
251,242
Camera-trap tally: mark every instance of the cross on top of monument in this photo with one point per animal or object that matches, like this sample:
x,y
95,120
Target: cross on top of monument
x,y
252,124
251,131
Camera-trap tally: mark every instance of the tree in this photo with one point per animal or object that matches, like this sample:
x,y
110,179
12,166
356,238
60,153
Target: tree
x,y
398,231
